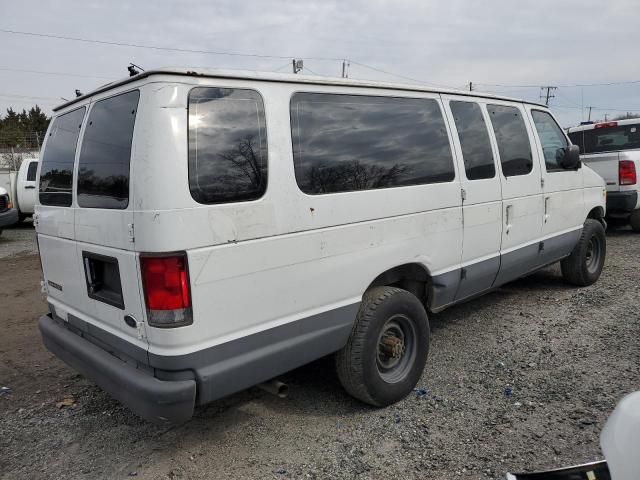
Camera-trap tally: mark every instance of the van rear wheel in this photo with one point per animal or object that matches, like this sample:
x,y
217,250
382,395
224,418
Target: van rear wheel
x,y
584,265
388,347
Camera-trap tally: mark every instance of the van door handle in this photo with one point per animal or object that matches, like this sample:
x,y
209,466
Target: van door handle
x,y
546,209
29,187
508,214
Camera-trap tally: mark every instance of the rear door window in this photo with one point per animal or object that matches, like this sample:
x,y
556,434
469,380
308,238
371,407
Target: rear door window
x,y
105,155
474,140
513,140
607,139
56,174
227,145
31,171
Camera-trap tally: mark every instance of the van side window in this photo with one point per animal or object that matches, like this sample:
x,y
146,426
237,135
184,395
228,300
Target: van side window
x,y
552,139
31,171
343,143
103,167
474,140
227,145
513,140
56,174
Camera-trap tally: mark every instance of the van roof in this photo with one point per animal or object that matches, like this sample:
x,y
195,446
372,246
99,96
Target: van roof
x,y
611,123
286,78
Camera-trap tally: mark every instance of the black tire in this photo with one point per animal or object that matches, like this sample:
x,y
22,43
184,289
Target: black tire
x,y
634,220
584,265
388,347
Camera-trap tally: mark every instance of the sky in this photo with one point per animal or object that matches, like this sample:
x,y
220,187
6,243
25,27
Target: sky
x,y
505,47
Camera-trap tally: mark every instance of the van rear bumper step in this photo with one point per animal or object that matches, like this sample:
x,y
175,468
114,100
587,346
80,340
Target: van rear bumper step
x,y
155,400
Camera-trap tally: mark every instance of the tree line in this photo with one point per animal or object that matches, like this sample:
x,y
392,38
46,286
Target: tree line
x,y
23,130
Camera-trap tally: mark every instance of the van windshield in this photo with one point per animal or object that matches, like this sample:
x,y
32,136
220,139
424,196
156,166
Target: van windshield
x,y
607,139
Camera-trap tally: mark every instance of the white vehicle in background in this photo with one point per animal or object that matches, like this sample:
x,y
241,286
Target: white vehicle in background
x,y
21,186
8,214
24,188
202,232
612,149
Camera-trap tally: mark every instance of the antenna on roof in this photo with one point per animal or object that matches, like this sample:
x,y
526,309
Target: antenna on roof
x,y
134,69
78,93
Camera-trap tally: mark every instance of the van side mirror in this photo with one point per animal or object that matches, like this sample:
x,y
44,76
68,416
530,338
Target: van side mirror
x,y
569,157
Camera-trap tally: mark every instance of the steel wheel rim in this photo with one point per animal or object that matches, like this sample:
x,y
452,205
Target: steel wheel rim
x,y
396,348
592,255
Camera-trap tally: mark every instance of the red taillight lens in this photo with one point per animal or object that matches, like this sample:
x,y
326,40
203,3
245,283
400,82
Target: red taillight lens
x,y
165,280
626,172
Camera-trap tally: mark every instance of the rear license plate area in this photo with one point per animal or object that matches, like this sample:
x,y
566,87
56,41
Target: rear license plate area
x,y
103,279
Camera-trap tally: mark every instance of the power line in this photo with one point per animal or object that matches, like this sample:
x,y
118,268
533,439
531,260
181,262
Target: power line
x,y
62,74
155,47
398,75
604,84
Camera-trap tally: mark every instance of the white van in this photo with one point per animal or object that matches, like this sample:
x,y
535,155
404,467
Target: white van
x,y
201,232
612,149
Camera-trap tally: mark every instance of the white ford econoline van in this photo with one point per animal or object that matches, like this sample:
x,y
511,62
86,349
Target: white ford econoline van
x,y
201,232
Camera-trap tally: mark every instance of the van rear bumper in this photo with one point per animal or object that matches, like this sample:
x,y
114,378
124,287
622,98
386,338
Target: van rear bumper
x,y
155,400
622,202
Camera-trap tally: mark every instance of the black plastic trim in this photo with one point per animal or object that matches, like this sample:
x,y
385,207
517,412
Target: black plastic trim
x,y
622,202
153,399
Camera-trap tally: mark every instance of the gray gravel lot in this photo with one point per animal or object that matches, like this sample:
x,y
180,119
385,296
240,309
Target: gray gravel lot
x,y
18,238
520,379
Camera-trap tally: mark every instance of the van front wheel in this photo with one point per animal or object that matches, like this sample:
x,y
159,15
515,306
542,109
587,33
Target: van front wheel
x,y
584,265
388,347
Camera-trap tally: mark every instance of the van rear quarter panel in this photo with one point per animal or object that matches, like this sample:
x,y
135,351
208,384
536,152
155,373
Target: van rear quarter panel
x,y
288,255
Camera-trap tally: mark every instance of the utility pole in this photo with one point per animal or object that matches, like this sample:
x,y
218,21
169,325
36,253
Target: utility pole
x,y
471,86
345,69
548,95
297,65
605,117
589,119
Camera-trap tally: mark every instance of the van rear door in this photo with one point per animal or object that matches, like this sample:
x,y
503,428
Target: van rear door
x,y
95,264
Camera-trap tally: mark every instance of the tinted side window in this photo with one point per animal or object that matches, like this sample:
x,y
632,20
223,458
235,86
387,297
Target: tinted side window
x,y
552,139
344,143
513,140
227,145
56,173
31,171
103,168
474,140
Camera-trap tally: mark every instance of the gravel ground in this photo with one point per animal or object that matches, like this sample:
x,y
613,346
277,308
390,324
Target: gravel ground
x,y
17,239
520,379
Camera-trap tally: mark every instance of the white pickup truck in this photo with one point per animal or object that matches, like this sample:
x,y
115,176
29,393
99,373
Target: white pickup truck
x,y
24,189
612,149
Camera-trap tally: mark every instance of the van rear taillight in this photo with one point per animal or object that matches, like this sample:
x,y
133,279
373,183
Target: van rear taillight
x,y
165,280
626,172
606,125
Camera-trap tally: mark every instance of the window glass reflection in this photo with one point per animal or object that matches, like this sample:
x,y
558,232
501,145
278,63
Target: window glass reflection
x,y
227,145
346,142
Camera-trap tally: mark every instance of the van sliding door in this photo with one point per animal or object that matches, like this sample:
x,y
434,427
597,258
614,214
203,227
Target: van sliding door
x,y
482,202
521,191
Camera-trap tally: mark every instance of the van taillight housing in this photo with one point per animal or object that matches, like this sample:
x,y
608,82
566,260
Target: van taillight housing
x,y
165,281
626,172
